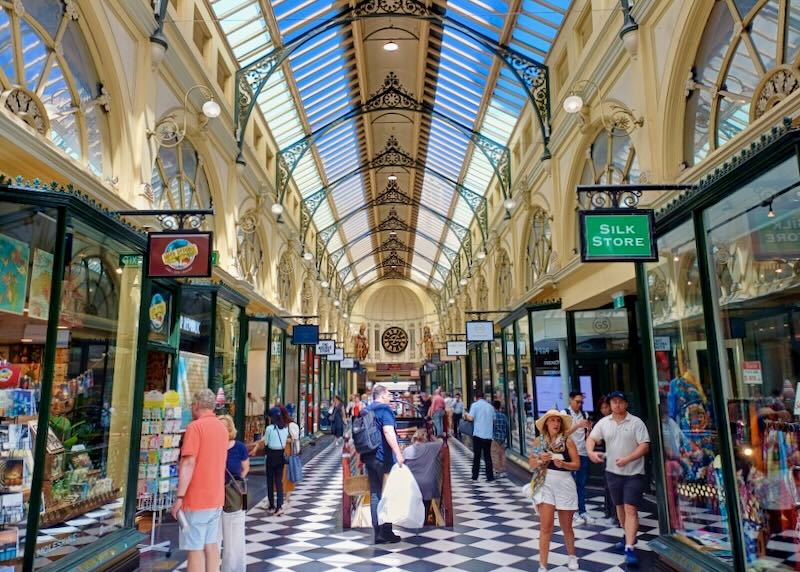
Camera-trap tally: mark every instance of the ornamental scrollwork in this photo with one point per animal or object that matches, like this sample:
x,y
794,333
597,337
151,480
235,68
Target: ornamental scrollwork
x,y
391,8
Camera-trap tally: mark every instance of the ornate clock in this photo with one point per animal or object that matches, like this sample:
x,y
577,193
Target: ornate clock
x,y
394,340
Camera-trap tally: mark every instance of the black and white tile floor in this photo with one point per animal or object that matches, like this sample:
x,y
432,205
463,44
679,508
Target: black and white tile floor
x,y
495,530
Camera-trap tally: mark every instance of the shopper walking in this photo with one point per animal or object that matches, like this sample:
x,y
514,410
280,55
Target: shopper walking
x,y
201,484
499,439
275,439
379,462
554,450
436,411
448,412
292,448
482,416
337,419
237,466
609,509
581,425
627,442
458,413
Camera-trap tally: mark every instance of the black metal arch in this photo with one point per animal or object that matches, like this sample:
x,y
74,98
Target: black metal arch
x,y
393,155
392,96
392,196
393,262
394,246
532,75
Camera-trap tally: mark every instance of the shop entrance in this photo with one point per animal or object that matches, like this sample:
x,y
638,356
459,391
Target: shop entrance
x,y
600,376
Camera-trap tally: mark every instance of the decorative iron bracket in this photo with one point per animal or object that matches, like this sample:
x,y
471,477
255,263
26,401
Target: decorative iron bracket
x,y
178,219
622,196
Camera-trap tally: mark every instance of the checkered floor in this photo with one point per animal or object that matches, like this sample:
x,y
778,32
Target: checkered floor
x,y
495,530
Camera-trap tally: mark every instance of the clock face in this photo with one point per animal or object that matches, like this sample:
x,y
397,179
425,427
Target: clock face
x,y
394,340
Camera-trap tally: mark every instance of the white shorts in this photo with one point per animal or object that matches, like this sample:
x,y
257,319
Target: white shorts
x,y
558,490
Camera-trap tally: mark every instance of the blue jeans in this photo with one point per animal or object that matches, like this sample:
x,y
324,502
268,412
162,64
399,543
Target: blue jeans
x,y
438,417
581,477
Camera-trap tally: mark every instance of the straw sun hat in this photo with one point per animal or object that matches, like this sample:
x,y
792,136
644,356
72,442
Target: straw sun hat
x,y
566,420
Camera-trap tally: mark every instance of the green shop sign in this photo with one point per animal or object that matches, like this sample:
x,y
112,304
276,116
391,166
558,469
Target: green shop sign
x,y
138,259
618,235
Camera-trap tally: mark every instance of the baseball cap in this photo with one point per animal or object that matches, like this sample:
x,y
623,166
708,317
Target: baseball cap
x,y
620,394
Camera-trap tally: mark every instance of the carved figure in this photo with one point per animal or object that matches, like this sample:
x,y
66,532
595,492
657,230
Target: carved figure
x,y
361,344
427,343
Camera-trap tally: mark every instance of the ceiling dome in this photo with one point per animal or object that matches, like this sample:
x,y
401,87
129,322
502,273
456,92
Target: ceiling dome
x,y
394,302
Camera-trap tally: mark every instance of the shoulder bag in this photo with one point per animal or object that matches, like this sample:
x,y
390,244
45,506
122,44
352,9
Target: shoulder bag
x,y
235,494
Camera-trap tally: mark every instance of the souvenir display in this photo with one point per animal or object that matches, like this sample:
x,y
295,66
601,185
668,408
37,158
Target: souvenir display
x,y
159,451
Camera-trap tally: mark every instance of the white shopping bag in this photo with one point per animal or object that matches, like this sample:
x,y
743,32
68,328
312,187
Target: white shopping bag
x,y
401,502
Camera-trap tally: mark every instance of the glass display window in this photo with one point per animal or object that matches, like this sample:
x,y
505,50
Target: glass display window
x,y
525,378
193,358
91,409
550,363
696,503
601,330
511,377
27,250
291,389
486,369
226,352
257,397
753,238
276,364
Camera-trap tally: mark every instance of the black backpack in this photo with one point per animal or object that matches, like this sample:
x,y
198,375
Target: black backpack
x,y
366,435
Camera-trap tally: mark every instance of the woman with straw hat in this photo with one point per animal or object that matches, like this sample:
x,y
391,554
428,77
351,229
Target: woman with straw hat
x,y
556,453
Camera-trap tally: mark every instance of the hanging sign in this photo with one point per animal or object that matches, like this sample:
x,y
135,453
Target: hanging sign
x,y
618,235
456,348
337,355
347,363
326,347
179,254
480,331
444,357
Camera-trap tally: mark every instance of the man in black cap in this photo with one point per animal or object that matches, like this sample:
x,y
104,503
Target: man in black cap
x,y
627,442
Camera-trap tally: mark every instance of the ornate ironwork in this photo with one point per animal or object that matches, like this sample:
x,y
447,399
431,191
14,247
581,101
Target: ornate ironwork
x,y
392,96
178,219
609,198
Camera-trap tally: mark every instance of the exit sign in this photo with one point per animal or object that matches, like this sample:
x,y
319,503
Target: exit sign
x,y
618,235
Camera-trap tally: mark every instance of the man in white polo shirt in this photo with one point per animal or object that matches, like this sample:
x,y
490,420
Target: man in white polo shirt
x,y
627,442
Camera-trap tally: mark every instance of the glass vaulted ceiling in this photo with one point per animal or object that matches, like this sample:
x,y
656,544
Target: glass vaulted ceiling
x,y
472,87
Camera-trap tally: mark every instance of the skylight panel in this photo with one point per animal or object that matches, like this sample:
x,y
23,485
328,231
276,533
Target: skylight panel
x,y
462,213
369,276
324,216
364,266
361,249
451,240
422,264
356,225
419,277
425,247
296,17
335,242
429,224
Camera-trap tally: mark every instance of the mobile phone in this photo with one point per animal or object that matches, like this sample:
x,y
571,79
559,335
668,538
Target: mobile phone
x,y
183,522
557,457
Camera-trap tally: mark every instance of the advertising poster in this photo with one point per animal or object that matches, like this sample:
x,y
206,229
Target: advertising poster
x,y
14,258
176,254
41,279
192,376
159,317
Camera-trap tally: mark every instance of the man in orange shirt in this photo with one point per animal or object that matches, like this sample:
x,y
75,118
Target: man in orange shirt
x,y
201,484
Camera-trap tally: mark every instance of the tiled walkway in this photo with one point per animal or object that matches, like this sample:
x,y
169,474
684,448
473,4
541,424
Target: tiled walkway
x,y
495,531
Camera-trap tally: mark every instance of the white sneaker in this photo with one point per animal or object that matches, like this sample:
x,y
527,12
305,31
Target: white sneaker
x,y
542,568
577,520
587,518
572,564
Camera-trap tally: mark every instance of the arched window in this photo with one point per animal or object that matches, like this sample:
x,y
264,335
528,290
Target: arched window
x,y
540,245
179,179
611,160
746,64
503,277
49,79
89,289
285,280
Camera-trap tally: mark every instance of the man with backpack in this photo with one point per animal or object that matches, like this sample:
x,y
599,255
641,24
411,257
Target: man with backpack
x,y
581,425
375,439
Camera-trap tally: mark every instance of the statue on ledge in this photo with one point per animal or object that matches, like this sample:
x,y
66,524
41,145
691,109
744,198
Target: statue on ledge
x,y
361,344
427,343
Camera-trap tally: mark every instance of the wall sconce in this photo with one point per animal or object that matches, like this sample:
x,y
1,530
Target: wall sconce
x,y
619,116
167,130
158,41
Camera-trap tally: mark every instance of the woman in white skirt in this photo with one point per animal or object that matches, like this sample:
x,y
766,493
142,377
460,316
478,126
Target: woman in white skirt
x,y
554,450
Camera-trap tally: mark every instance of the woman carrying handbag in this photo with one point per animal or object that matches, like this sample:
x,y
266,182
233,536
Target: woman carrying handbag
x,y
275,438
292,452
233,511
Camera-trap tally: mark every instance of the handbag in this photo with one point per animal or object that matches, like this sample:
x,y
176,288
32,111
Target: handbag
x,y
235,494
295,469
466,427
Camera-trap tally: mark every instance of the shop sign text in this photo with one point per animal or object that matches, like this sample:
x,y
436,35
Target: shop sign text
x,y
617,235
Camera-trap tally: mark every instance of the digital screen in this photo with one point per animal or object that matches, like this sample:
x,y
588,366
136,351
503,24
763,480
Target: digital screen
x,y
480,331
305,335
456,348
550,393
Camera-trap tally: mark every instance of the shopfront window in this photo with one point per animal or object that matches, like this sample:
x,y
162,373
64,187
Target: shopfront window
x,y
27,246
291,387
277,384
257,400
486,369
92,401
511,377
695,495
193,360
550,363
499,373
525,378
225,356
601,330
757,321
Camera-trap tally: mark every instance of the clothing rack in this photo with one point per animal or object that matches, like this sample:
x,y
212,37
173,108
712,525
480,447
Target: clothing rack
x,y
786,426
